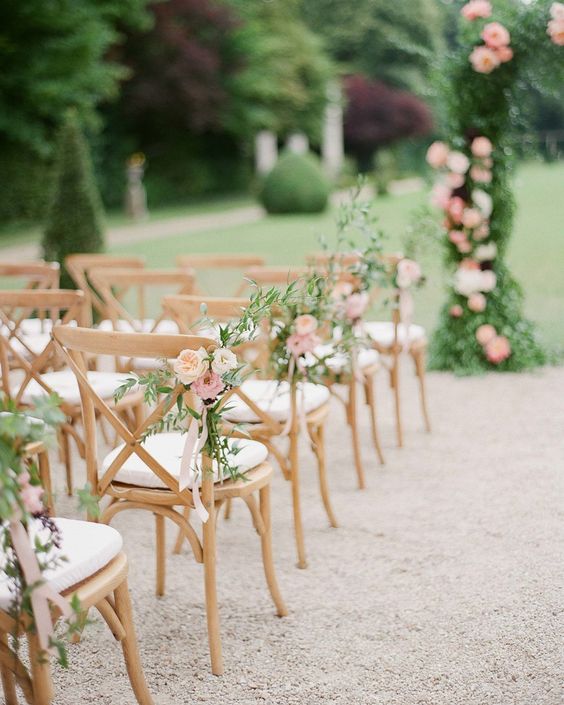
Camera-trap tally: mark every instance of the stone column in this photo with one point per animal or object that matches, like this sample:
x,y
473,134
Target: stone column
x,y
297,143
266,151
332,148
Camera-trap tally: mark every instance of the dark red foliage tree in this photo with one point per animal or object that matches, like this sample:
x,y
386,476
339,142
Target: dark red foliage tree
x,y
377,115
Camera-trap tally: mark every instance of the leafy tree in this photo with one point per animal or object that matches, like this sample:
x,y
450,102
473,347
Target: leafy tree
x,y
75,217
378,115
386,39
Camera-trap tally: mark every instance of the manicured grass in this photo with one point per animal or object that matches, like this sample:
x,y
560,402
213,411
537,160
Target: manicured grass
x,y
536,252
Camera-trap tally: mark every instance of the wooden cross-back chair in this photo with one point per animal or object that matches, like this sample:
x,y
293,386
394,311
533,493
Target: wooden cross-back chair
x,y
79,265
231,263
95,572
391,338
143,473
32,367
273,275
268,409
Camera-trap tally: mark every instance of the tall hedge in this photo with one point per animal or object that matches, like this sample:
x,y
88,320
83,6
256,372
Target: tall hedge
x,y
75,217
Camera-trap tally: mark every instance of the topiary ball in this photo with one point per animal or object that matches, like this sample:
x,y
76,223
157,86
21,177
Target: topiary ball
x,y
295,185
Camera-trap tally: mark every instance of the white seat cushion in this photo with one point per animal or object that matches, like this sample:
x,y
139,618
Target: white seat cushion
x,y
64,383
34,342
88,548
144,325
274,398
167,449
338,361
382,332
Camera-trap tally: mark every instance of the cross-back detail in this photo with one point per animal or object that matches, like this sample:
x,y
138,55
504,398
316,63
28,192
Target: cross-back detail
x,y
226,261
113,284
76,344
274,275
79,265
62,306
36,275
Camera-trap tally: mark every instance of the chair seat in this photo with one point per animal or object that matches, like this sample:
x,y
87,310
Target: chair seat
x,y
167,449
64,383
382,332
274,398
337,362
144,325
87,548
34,342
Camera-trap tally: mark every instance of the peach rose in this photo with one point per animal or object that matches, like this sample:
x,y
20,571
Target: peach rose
x,y
477,302
455,180
504,54
302,344
495,35
485,333
489,280
457,236
484,59
480,175
342,289
469,264
305,324
455,209
555,31
471,218
208,386
458,162
498,349
476,9
456,311
190,365
557,11
356,305
408,273
464,247
481,147
437,155
482,232
440,195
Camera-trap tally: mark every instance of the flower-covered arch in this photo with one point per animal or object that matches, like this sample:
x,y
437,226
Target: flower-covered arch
x,y
503,46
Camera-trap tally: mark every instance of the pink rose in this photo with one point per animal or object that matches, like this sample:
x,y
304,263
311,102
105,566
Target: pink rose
x,y
480,175
557,11
471,218
356,304
305,324
30,494
485,333
477,302
302,344
489,280
498,349
476,9
464,247
208,386
342,289
457,236
458,162
437,155
440,196
481,147
455,180
482,232
495,35
408,272
456,311
504,54
555,31
455,209
468,264
484,59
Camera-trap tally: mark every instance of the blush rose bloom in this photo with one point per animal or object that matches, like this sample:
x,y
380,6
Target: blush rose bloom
x,y
498,349
481,147
455,209
495,35
456,311
464,247
208,386
482,232
356,304
555,31
483,200
485,333
471,218
302,344
408,273
190,365
457,236
458,162
305,324
224,360
30,494
480,175
557,11
342,289
440,195
484,59
504,54
477,302
486,253
476,9
437,155
455,180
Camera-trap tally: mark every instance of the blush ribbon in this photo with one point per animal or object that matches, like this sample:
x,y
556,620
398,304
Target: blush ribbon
x,y
188,478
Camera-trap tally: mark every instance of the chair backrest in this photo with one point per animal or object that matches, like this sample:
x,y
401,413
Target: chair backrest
x,y
279,275
113,286
79,265
227,266
33,275
23,356
78,345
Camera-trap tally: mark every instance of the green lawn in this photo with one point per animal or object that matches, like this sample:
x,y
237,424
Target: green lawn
x,y
536,252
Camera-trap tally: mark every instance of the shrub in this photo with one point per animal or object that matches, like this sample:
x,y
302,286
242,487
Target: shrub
x,y
74,222
295,185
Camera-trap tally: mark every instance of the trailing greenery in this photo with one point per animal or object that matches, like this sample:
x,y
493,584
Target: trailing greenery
x,y
75,217
295,185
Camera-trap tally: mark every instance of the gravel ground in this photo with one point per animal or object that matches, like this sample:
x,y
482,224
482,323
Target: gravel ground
x,y
439,588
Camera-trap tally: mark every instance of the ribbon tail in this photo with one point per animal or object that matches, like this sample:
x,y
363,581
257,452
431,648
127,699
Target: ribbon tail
x,y
201,511
291,369
406,315
187,455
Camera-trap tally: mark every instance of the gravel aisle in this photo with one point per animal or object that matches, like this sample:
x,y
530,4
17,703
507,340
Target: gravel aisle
x,y
440,587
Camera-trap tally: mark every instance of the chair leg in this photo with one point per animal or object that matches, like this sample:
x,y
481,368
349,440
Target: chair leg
x,y
318,437
8,679
180,536
40,672
353,423
295,479
212,610
394,380
371,402
227,511
266,546
66,459
129,645
45,475
419,360
160,553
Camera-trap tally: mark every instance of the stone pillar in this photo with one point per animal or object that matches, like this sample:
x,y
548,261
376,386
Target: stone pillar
x,y
297,143
266,151
136,198
332,148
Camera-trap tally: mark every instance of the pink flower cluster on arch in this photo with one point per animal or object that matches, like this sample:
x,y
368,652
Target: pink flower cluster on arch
x,y
495,50
555,27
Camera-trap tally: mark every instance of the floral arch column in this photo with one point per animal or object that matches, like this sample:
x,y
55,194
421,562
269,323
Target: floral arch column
x,y
503,47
